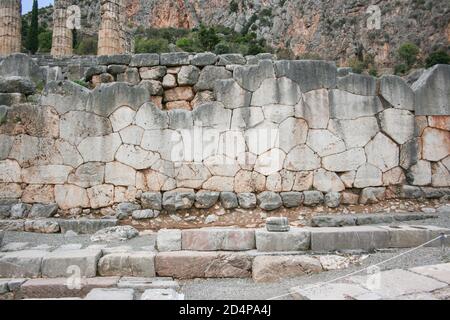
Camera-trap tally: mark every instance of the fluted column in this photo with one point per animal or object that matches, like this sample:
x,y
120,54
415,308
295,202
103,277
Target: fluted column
x,y
10,26
62,41
112,37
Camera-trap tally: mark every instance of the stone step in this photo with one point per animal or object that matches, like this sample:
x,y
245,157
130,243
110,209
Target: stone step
x,y
365,219
161,294
218,239
133,264
110,294
141,284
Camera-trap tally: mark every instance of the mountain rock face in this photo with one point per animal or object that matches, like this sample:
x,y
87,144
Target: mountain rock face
x,y
332,29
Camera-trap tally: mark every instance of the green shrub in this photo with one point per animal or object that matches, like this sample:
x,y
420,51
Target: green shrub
x,y
186,44
158,45
222,48
373,72
208,38
408,53
234,6
82,83
45,41
87,46
437,57
401,69
357,66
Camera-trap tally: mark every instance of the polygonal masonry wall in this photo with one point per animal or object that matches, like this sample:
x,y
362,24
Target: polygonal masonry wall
x,y
290,132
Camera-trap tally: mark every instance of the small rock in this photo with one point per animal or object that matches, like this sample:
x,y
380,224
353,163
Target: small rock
x,y
20,211
333,199
43,210
211,219
151,200
120,233
144,214
269,201
125,209
229,200
277,224
247,200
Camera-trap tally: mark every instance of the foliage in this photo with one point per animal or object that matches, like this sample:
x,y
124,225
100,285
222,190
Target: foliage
x,y
234,6
208,38
87,45
45,41
437,57
408,53
401,69
82,83
157,45
33,33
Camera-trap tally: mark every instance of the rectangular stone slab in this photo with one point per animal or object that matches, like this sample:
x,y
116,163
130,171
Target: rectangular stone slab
x,y
21,264
296,239
59,264
440,272
218,239
332,291
406,236
85,226
148,283
58,287
161,294
348,238
110,294
200,264
138,264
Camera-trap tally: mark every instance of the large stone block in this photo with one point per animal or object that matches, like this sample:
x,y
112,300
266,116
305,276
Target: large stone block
x,y
85,226
251,77
65,96
168,240
269,201
110,294
432,91
194,264
60,263
355,133
359,84
348,238
296,239
310,75
404,236
346,161
144,60
397,92
174,59
218,239
231,94
276,268
282,91
178,200
21,264
382,152
435,144
100,149
345,105
209,75
133,264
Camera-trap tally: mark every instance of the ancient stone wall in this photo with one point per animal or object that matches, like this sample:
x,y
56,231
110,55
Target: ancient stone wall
x,y
10,26
174,131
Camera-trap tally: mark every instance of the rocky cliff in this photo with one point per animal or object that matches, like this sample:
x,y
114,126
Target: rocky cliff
x,y
331,29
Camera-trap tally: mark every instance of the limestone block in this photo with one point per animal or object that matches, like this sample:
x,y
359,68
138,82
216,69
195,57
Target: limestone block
x,y
394,177
194,264
149,117
231,94
144,60
359,84
206,199
435,144
231,59
296,239
21,264
248,181
324,143
355,133
221,165
178,199
100,149
281,91
308,74
188,75
302,158
217,183
88,175
439,122
174,59
397,92
292,132
372,195
65,96
398,124
292,199
86,226
71,196
348,238
247,200
154,73
346,161
347,106
151,200
272,161
382,152
303,181
314,108
53,174
212,115
218,239
327,181
204,59
368,176
132,135
136,157
209,75
10,171
192,175
420,173
440,175
228,200
101,196
165,142
247,117
133,264
41,226
110,294
77,125
276,268
313,198
432,93
122,118
56,264
269,201
168,240
410,153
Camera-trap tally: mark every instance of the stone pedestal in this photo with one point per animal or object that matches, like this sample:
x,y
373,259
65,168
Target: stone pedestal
x,y
10,26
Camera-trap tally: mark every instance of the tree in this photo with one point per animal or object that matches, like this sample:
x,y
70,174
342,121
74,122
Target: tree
x,y
33,33
437,57
208,38
408,53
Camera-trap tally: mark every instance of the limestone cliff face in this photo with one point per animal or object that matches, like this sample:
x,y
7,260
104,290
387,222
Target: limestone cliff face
x,y
332,29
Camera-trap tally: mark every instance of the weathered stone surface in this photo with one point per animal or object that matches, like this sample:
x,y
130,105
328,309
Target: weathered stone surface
x,y
188,75
277,224
106,98
71,196
394,177
368,176
57,287
56,264
110,294
151,200
315,109
358,84
247,200
398,124
332,291
440,272
77,125
101,196
20,210
231,58
439,122
154,73
345,105
168,240
348,238
204,59
206,199
12,225
324,143
133,264
21,264
251,77
282,91
372,195
292,132
275,268
327,181
125,209
310,75
355,133
333,221
221,165
302,158
295,239
216,183
292,199
174,59
431,91
345,161
409,153
41,226
408,236
178,200
435,144
100,149
16,84
43,210
269,201
209,75
218,239
440,175
313,198
192,264
12,190
144,60
229,200
212,115
332,199
85,226
396,91
161,294
88,175
10,171
120,233
382,152
231,94
420,173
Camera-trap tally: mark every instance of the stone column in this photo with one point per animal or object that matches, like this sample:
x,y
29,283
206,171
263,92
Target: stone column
x,y
10,26
112,37
62,41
